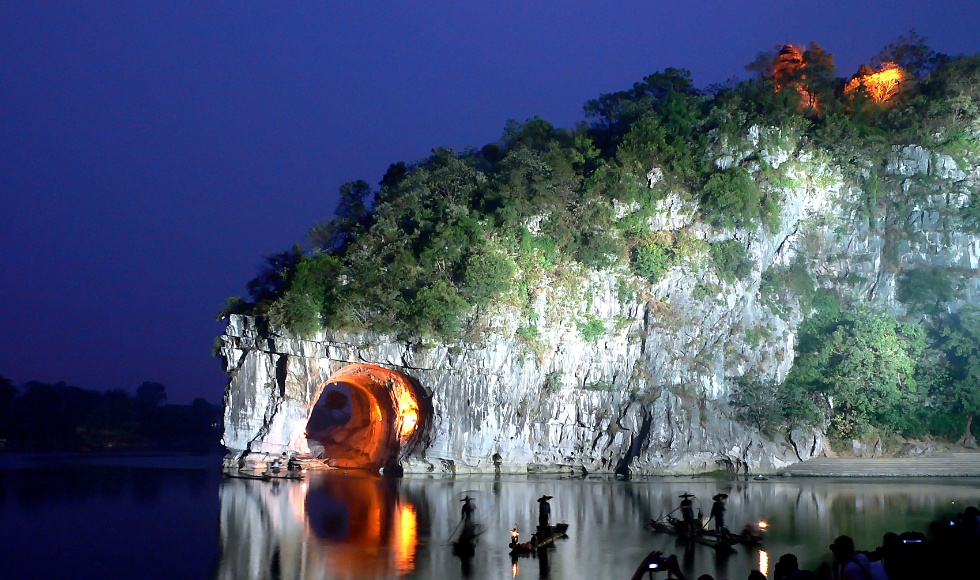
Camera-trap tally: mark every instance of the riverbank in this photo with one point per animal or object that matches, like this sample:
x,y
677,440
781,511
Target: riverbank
x,y
952,464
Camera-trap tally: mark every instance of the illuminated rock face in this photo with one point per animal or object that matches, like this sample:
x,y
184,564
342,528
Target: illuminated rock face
x,y
650,395
484,408
273,393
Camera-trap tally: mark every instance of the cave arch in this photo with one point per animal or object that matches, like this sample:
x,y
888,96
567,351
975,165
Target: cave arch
x,y
386,412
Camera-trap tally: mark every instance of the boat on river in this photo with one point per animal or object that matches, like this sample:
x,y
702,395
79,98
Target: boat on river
x,y
543,537
751,534
267,475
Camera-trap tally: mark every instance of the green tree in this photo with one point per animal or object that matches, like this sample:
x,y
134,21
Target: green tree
x,y
769,406
911,53
863,362
488,274
731,260
962,392
670,91
351,218
731,199
925,289
151,394
438,309
274,277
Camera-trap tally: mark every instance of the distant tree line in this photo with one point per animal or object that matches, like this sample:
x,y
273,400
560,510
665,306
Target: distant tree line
x,y
441,241
58,417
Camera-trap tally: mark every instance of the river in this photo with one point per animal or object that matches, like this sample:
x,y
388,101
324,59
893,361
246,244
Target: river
x,y
176,517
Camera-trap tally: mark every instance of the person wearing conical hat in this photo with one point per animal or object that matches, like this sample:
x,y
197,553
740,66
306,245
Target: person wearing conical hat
x,y
544,510
718,513
469,508
687,512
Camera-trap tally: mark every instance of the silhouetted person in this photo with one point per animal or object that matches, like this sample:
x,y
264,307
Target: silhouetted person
x,y
687,512
468,510
852,565
277,463
718,513
888,553
706,577
971,520
788,568
756,575
544,511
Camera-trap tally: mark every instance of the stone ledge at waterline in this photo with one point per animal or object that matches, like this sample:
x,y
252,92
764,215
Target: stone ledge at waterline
x,y
962,464
484,409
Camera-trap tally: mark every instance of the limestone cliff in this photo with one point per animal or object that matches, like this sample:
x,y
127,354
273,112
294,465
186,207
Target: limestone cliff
x,y
650,394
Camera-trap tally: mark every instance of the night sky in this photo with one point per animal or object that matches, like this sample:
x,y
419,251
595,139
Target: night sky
x,y
152,153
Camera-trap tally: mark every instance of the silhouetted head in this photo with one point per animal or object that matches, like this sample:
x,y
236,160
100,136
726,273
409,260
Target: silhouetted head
x,y
756,575
843,547
789,562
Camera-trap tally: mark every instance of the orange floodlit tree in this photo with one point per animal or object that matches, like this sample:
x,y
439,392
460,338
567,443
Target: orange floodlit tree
x,y
881,86
786,65
802,69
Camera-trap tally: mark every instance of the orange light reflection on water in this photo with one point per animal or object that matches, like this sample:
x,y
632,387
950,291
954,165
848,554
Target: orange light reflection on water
x,y
406,538
764,562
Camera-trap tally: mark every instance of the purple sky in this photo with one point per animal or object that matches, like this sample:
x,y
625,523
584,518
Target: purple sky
x,y
151,153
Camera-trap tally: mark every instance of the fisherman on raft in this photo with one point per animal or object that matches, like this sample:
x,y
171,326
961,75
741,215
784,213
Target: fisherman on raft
x,y
687,512
718,513
468,509
544,511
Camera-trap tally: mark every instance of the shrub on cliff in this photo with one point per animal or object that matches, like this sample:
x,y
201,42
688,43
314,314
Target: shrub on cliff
x,y
771,407
731,199
651,260
731,260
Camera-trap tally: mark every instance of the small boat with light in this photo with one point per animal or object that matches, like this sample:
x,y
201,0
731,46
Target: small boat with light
x,y
751,535
543,537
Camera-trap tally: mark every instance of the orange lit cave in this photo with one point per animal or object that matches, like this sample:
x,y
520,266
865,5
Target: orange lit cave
x,y
367,416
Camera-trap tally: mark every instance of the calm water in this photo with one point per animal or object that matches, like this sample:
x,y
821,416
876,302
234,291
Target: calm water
x,y
143,518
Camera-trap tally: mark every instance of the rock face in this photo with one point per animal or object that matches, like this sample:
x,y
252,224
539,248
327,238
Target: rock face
x,y
650,394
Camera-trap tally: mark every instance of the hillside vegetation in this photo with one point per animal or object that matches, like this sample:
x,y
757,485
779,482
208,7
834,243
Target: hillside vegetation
x,y
445,243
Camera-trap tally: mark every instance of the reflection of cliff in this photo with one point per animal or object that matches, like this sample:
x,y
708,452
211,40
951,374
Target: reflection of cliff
x,y
263,533
334,526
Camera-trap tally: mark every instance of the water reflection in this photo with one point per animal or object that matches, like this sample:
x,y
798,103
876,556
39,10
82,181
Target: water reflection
x,y
118,517
356,526
335,526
